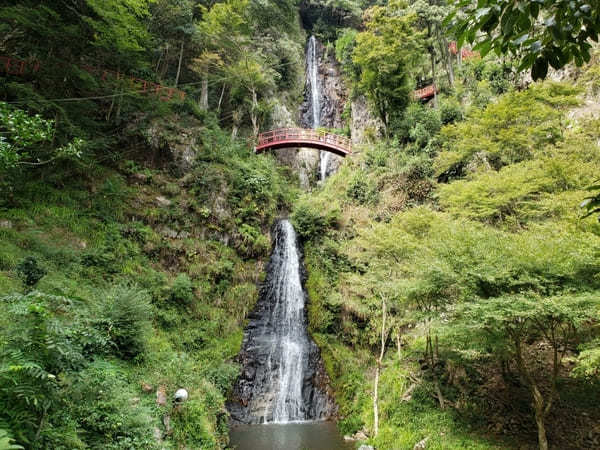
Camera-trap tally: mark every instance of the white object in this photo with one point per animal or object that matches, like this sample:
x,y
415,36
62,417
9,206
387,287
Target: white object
x,y
181,396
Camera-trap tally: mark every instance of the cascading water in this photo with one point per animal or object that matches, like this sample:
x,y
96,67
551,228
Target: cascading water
x,y
281,364
312,74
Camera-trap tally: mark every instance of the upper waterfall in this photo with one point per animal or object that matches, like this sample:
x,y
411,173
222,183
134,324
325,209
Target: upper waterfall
x,y
316,95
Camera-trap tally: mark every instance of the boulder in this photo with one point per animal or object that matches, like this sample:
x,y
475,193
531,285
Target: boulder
x,y
162,201
421,445
161,396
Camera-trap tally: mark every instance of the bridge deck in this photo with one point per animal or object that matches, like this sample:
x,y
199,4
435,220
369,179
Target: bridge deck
x,y
299,137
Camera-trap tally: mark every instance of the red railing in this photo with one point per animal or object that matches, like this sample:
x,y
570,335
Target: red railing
x,y
14,66
164,93
426,92
465,53
295,135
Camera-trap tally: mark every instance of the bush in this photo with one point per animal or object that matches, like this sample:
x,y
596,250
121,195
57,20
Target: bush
x,y
310,224
360,189
182,291
125,314
101,403
450,112
30,272
420,124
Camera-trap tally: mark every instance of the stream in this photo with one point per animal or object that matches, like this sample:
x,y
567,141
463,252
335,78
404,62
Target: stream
x,y
291,436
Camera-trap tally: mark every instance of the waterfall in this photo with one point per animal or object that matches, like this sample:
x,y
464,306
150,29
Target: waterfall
x,y
312,75
312,66
281,362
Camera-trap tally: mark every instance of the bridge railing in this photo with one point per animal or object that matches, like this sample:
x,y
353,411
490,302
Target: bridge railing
x,y
301,134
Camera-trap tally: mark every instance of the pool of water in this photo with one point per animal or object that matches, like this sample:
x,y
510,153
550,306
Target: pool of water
x,y
289,436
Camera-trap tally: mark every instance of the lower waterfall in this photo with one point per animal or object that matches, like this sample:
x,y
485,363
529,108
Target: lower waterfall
x,y
282,378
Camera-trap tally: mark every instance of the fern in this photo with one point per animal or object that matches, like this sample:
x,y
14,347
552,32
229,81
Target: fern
x,y
6,443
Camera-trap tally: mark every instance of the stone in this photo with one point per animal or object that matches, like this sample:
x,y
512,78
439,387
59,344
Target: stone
x,y
146,387
6,224
162,201
168,232
183,235
157,434
161,396
421,445
140,177
180,396
366,447
360,436
167,423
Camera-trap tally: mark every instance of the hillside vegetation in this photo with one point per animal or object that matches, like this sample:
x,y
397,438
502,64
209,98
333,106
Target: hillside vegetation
x,y
487,279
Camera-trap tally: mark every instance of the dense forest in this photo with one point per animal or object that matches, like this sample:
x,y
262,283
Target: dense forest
x,y
452,261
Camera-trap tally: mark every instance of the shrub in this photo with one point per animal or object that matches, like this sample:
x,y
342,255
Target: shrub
x,y
310,223
125,313
360,189
101,403
450,112
182,291
30,272
252,242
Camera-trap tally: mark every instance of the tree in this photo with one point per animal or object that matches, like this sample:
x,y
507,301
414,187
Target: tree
x,y
541,33
507,324
384,54
173,22
430,17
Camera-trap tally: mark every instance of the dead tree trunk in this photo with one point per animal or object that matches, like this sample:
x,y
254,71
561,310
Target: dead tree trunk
x,y
221,98
254,113
377,371
179,65
204,93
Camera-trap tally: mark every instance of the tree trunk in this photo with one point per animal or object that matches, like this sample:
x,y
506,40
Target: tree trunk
x,y
165,68
159,61
377,370
538,403
439,395
541,408
236,117
221,98
445,51
179,65
433,76
204,93
399,344
254,113
375,396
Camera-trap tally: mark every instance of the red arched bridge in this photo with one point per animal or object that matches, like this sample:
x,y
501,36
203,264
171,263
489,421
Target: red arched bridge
x,y
299,137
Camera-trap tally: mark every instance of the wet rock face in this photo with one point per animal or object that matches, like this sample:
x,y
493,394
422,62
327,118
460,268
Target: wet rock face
x,y
283,378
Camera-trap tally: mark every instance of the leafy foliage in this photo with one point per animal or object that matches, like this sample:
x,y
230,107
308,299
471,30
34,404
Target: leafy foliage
x,y
383,56
542,33
30,272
